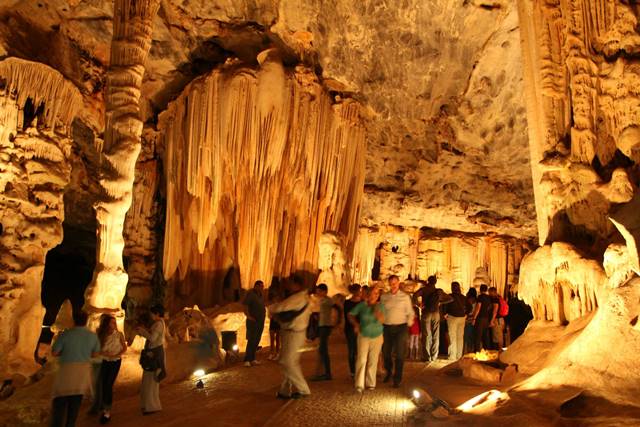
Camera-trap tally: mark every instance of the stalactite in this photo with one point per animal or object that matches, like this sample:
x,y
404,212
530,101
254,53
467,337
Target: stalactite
x,y
132,26
449,257
259,164
34,170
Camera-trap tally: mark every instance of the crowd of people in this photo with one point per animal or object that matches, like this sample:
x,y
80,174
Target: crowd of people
x,y
393,323
89,364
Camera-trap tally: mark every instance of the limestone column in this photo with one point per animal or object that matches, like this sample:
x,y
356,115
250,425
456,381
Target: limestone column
x,y
132,28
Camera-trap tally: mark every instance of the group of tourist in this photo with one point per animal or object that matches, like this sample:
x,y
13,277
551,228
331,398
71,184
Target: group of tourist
x,y
391,323
78,348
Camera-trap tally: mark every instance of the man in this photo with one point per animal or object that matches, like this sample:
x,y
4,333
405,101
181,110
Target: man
x,y
497,326
293,314
75,347
255,312
484,315
457,312
399,316
325,324
432,298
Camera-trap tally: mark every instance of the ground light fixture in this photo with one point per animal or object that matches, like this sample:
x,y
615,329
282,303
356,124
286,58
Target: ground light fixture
x,y
235,347
199,373
416,393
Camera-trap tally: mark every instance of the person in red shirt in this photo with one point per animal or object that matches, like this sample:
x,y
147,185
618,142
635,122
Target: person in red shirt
x,y
414,336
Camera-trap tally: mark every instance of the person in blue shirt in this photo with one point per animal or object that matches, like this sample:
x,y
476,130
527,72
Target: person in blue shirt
x,y
74,348
367,319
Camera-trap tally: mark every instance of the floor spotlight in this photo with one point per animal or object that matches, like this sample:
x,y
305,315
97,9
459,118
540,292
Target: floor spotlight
x,y
235,347
198,373
416,394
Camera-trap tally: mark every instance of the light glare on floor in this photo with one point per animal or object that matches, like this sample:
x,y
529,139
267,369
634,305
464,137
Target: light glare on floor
x,y
198,373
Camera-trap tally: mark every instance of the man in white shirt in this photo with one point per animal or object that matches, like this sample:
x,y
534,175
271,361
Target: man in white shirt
x,y
399,317
293,315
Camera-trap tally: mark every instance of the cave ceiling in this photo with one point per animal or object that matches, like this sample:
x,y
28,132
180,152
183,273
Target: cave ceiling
x,y
441,82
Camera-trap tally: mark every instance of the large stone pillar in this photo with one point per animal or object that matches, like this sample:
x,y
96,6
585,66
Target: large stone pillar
x,y
132,27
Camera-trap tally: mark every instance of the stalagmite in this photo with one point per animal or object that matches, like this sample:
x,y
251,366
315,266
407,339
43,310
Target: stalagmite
x,y
259,164
333,264
34,170
132,25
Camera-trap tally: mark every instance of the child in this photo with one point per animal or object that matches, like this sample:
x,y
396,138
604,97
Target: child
x,y
414,336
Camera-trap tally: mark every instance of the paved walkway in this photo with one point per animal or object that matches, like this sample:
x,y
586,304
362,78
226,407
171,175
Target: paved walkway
x,y
239,396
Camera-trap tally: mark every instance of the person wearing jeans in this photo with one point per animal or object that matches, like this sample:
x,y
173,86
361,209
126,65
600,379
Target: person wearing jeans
x,y
255,312
74,347
325,325
113,346
370,331
399,315
483,316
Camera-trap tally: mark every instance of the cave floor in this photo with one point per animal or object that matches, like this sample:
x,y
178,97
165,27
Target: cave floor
x,y
240,396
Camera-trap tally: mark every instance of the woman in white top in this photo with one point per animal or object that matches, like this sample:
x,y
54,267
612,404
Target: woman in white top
x,y
152,361
112,346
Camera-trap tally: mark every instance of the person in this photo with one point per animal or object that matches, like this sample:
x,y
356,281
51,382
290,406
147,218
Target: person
x,y
153,361
414,335
274,295
255,312
469,342
74,347
399,316
325,325
365,292
367,319
293,314
349,331
497,326
457,311
113,347
432,298
483,315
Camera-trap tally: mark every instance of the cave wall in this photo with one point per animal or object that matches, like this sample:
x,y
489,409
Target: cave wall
x,y
414,253
37,106
258,164
581,79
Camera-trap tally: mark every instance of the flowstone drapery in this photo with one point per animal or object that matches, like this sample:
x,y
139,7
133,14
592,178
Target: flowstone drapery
x,y
259,163
37,106
132,27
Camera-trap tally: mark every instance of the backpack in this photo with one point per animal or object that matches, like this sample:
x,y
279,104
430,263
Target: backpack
x,y
313,327
503,307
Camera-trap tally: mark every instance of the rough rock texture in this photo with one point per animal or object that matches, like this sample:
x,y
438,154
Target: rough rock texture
x,y
583,103
333,263
417,254
36,109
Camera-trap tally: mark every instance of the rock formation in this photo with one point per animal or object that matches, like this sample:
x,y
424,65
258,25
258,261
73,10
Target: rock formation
x,y
37,106
417,254
258,164
123,127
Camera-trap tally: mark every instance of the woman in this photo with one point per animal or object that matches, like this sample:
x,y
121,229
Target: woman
x,y
349,332
371,315
469,335
113,347
152,361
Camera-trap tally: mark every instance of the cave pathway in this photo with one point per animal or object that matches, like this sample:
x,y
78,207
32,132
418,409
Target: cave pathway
x,y
240,396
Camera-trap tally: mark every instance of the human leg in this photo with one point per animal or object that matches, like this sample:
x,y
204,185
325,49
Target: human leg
x,y
373,354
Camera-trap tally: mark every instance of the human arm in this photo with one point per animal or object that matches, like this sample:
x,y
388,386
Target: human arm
x,y
444,297
245,306
494,313
294,302
476,311
95,351
410,313
379,312
58,345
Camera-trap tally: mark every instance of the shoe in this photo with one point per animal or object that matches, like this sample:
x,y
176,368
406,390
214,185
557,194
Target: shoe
x,y
298,395
387,378
359,390
396,384
149,412
282,396
352,374
255,363
321,378
371,388
247,364
105,419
